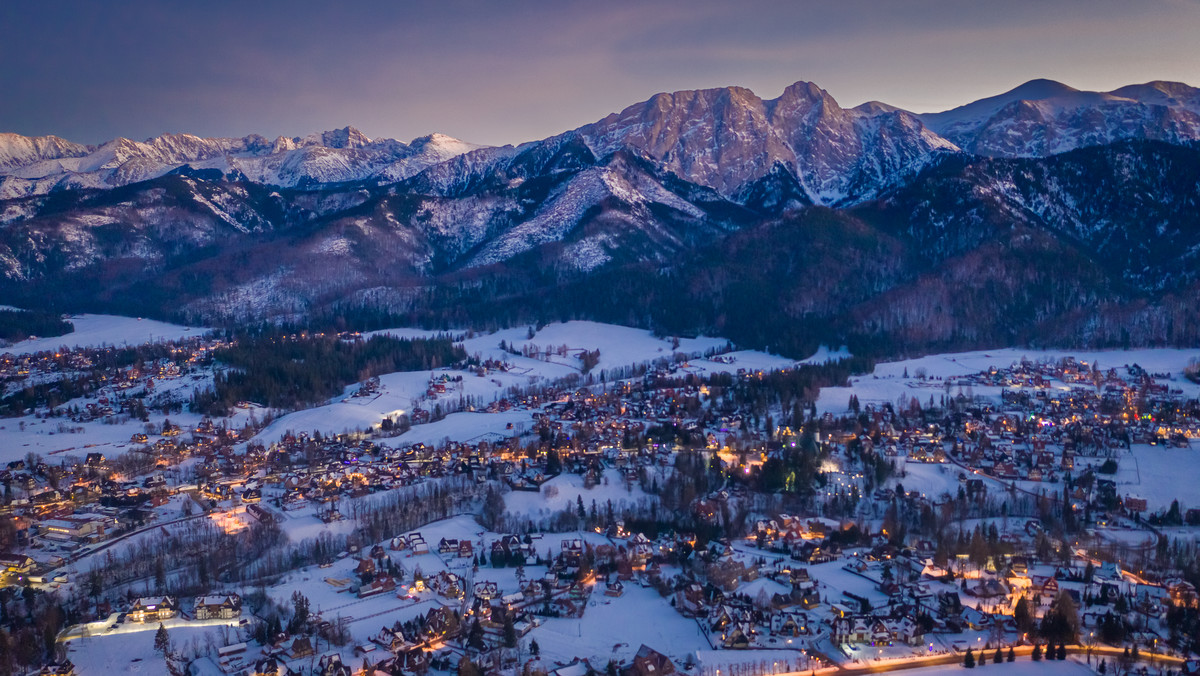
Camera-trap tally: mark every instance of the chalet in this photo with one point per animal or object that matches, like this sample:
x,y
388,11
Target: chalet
x,y
1046,586
907,631
448,546
269,666
64,668
690,600
16,563
301,647
572,552
380,585
223,607
417,544
390,640
440,622
850,630
650,662
153,609
330,664
1134,504
1183,594
737,637
576,667
486,591
789,624
412,660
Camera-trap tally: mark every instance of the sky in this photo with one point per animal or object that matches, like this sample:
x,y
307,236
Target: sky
x,y
502,72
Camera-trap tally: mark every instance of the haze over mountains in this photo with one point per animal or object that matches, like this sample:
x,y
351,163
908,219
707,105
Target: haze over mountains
x,y
1041,214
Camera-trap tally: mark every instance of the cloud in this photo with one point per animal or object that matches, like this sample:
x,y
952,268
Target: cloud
x,y
507,72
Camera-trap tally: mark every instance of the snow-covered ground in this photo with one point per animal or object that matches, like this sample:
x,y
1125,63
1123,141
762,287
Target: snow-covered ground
x,y
1161,474
616,628
564,491
130,648
927,376
100,330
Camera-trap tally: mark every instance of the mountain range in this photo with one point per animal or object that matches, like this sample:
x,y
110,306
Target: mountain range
x,y
1043,215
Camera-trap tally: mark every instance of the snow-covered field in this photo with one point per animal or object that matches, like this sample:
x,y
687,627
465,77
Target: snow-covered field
x,y
130,648
616,628
100,330
1161,474
565,490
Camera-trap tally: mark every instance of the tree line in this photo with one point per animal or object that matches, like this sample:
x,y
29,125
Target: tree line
x,y
298,370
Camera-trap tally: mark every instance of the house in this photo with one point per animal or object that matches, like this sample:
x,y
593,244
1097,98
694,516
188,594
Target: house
x,y
269,666
789,624
486,591
440,622
58,669
301,647
380,585
18,564
576,667
417,544
907,631
412,660
850,630
737,637
1135,504
615,589
1046,586
390,639
689,601
572,552
1183,594
881,633
650,662
222,607
331,664
153,609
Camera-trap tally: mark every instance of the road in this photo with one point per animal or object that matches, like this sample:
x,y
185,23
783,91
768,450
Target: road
x,y
957,658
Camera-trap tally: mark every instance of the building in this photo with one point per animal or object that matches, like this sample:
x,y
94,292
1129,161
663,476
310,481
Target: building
x,y
153,609
221,607
650,662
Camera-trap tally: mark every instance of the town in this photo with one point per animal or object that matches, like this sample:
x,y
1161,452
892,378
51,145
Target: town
x,y
541,508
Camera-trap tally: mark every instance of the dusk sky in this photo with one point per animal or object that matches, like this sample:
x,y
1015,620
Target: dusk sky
x,y
507,72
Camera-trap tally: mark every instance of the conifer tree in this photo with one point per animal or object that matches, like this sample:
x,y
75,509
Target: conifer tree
x,y
162,642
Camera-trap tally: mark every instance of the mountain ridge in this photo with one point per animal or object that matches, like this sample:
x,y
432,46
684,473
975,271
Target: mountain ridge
x,y
648,199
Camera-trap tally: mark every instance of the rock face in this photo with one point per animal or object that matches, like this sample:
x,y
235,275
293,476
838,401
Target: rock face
x,y
728,138
1075,204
